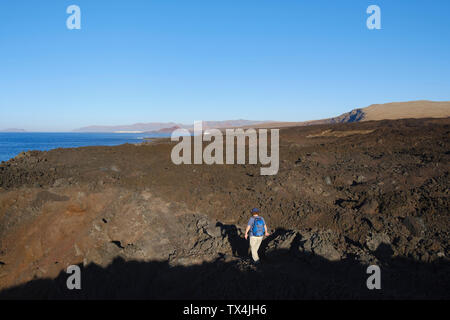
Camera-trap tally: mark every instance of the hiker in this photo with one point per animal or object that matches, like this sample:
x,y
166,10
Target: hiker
x,y
257,228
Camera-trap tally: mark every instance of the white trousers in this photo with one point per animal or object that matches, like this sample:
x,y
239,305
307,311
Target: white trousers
x,y
255,242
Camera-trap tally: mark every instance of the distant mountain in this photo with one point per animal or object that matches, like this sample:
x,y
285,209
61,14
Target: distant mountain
x,y
394,111
165,126
406,110
12,130
137,127
387,111
230,123
164,130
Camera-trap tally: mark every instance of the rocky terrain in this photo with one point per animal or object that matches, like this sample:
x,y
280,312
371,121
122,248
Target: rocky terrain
x,y
346,196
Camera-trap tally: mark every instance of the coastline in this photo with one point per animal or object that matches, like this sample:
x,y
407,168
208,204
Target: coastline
x,y
12,144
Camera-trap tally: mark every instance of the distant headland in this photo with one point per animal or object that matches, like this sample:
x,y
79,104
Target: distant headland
x,y
12,130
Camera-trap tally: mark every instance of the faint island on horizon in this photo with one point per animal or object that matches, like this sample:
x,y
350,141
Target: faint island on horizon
x,y
13,130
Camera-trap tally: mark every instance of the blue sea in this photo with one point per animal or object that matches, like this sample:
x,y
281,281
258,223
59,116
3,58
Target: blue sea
x,y
11,144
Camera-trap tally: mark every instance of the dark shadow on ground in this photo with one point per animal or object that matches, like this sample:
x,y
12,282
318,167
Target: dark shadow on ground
x,y
238,244
283,274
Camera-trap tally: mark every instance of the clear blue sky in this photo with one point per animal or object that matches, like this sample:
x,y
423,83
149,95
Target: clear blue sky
x,y
166,60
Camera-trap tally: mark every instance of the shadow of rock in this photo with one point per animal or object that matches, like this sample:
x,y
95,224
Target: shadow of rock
x,y
237,242
286,277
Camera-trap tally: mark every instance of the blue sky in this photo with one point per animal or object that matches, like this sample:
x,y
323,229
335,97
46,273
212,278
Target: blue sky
x,y
166,60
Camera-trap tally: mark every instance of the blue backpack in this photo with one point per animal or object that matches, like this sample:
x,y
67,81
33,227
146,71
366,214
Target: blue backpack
x,y
258,227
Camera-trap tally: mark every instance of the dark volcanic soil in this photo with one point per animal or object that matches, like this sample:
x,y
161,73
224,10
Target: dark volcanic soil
x,y
346,196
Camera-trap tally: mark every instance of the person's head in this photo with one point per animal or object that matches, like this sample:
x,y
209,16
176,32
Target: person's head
x,y
255,211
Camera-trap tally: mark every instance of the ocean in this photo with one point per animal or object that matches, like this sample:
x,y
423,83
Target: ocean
x,y
11,144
